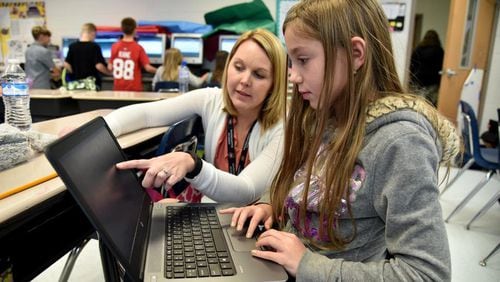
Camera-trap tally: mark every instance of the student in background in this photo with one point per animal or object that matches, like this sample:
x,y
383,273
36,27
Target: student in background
x,y
85,58
169,71
127,59
356,195
215,77
248,110
39,66
426,63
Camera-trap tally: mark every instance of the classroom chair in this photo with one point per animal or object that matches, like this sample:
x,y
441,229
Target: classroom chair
x,y
486,158
185,135
166,86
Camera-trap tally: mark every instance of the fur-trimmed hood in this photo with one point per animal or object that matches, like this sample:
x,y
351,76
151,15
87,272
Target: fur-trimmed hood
x,y
446,131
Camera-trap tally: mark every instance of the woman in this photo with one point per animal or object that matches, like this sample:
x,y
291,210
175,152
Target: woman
x,y
169,71
248,111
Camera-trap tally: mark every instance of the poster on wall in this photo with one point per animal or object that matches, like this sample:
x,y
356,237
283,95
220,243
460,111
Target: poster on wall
x,y
395,13
16,21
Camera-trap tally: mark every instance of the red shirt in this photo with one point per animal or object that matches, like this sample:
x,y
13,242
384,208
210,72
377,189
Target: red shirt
x,y
128,58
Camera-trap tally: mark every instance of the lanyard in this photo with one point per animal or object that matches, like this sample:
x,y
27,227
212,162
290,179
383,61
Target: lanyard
x,y
230,147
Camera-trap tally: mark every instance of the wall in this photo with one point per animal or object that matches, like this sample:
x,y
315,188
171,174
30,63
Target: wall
x,y
435,16
402,40
66,17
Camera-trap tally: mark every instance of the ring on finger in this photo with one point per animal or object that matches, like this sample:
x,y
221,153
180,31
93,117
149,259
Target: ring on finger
x,y
165,172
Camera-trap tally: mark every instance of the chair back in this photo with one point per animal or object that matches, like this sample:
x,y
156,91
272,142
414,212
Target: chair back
x,y
167,86
471,137
181,133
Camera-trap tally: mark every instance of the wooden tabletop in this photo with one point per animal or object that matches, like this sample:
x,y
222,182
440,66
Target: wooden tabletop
x,y
50,93
99,95
123,95
39,167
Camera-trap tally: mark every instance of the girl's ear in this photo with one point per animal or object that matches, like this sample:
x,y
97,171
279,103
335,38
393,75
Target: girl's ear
x,y
358,52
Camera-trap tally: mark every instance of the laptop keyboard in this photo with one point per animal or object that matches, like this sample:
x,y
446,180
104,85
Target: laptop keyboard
x,y
195,244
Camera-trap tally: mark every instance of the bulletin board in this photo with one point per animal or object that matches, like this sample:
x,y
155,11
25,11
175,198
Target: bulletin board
x,y
16,21
282,7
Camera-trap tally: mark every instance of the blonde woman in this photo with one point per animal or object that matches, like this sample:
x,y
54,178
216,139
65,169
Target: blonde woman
x,y
248,111
169,71
356,195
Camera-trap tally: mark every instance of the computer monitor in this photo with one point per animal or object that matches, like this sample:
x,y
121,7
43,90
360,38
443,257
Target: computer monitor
x,y
105,43
190,45
226,42
155,46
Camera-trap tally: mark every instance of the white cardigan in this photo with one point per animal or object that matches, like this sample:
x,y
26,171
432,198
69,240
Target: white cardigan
x,y
265,150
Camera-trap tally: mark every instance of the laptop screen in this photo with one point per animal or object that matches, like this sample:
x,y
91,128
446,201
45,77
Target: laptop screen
x,y
114,201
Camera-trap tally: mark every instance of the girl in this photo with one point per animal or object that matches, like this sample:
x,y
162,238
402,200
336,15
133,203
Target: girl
x,y
248,110
169,71
356,195
215,77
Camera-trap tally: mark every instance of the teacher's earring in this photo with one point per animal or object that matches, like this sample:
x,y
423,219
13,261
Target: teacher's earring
x,y
355,72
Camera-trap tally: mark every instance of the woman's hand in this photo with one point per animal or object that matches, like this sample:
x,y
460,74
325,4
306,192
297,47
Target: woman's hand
x,y
288,249
169,168
258,213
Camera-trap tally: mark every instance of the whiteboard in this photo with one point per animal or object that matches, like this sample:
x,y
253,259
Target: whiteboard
x,y
282,7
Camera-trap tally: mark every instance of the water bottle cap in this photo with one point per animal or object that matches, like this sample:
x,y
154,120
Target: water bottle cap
x,y
183,63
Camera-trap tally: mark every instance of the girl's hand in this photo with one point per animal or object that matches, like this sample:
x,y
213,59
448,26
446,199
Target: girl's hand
x,y
258,213
169,168
288,249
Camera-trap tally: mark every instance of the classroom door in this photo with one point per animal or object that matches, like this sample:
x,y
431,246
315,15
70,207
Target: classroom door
x,y
468,38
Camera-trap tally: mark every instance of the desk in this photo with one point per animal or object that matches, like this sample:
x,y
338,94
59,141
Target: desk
x,y
88,101
51,103
41,224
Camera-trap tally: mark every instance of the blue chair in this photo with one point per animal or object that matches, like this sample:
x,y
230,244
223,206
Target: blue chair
x,y
488,205
184,135
486,158
181,132
167,86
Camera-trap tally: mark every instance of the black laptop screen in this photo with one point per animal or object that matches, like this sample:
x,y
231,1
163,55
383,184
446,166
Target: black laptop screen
x,y
112,199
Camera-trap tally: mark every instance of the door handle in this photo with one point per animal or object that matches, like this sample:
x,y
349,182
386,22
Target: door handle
x,y
449,72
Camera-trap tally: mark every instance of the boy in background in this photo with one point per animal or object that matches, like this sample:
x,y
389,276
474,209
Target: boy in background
x,y
39,66
127,59
85,58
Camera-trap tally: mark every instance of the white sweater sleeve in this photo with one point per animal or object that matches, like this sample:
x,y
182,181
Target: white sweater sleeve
x,y
252,182
221,186
194,80
157,77
158,113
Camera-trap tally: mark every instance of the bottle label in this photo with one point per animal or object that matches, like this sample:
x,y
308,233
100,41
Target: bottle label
x,y
15,89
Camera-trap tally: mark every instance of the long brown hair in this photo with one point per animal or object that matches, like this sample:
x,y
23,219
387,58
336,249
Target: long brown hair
x,y
220,63
334,23
431,38
171,63
274,106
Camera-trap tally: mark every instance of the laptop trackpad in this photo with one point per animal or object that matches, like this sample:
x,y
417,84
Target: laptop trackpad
x,y
239,241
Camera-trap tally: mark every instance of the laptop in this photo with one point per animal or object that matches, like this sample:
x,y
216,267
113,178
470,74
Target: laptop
x,y
136,230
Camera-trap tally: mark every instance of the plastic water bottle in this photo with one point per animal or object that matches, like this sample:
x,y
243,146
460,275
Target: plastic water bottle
x,y
183,78
15,95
